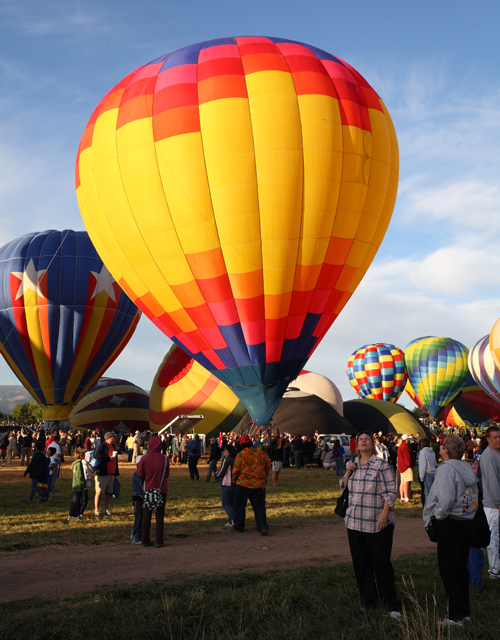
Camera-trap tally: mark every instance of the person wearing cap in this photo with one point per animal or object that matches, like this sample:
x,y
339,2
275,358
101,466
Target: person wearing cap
x,y
106,472
213,459
250,471
405,467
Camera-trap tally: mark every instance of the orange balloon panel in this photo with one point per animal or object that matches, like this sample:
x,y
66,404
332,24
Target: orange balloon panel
x,y
239,189
182,387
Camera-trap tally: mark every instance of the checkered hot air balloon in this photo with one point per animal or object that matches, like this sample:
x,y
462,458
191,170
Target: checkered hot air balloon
x,y
437,368
63,318
377,372
238,190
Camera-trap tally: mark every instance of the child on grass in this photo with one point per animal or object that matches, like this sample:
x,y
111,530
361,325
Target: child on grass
x,y
135,538
79,485
88,472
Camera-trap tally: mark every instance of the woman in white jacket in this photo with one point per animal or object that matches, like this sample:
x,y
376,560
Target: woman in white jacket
x,y
426,465
453,502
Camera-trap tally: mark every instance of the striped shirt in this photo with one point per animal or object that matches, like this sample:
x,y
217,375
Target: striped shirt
x,y
369,487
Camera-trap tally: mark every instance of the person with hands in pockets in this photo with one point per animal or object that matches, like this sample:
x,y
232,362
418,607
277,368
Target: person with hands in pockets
x,y
370,524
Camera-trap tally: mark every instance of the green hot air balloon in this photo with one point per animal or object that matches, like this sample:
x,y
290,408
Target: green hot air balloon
x,y
437,368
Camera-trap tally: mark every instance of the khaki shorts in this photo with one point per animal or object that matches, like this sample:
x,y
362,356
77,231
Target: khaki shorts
x,y
407,476
277,466
105,484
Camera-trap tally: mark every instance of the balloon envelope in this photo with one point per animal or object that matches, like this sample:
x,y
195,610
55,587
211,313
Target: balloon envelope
x,y
239,189
377,371
310,383
411,392
112,404
63,318
483,368
472,406
183,387
377,415
495,343
437,368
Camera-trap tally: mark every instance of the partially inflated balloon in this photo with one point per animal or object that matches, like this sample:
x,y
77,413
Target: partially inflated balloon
x,y
437,368
473,406
377,371
483,369
112,404
63,318
183,386
238,190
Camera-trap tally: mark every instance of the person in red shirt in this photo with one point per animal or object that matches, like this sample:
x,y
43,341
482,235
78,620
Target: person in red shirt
x,y
154,470
405,468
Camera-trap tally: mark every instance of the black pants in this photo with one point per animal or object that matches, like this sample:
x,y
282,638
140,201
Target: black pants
x,y
138,511
85,501
257,499
193,467
371,558
454,537
160,522
76,504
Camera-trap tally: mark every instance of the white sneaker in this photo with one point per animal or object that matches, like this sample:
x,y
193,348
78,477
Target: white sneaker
x,y
228,524
395,614
72,518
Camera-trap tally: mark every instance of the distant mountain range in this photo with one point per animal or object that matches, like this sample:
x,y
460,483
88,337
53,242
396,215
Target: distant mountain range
x,y
12,394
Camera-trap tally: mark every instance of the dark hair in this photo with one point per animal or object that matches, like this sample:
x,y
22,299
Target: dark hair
x,y
231,450
425,442
51,449
39,446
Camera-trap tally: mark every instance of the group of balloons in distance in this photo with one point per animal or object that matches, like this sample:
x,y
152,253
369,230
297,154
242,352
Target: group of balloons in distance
x,y
432,370
236,191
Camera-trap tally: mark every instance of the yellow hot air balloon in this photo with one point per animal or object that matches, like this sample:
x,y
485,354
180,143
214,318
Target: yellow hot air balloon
x,y
238,190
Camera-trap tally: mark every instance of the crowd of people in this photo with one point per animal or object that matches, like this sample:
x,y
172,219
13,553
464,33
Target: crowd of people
x,y
458,470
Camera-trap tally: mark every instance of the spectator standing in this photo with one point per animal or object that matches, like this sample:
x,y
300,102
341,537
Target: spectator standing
x,y
405,468
426,467
26,447
225,477
297,450
136,446
138,492
37,470
213,459
490,479
106,472
154,470
193,448
78,486
250,471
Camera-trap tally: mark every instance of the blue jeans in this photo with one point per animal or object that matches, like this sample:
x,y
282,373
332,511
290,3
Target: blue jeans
x,y
212,468
297,455
227,496
257,499
192,464
428,480
339,465
36,489
52,479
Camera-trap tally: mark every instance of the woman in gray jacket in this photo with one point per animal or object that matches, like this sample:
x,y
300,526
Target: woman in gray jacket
x,y
453,502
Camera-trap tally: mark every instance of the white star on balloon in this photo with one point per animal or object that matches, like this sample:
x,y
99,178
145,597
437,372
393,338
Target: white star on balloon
x,y
30,279
105,282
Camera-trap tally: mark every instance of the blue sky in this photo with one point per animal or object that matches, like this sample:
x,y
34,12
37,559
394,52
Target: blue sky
x,y
435,64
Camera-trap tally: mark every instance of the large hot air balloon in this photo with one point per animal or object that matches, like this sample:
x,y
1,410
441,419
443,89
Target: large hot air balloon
x,y
377,415
63,318
310,383
183,386
377,372
238,190
437,368
483,369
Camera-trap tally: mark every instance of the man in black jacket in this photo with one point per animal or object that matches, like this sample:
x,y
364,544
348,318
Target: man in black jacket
x,y
106,472
37,470
215,456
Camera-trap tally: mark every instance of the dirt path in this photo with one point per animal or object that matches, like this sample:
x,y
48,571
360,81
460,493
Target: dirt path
x,y
58,572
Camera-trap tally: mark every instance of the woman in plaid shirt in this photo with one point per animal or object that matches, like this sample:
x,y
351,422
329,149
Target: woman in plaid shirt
x,y
370,524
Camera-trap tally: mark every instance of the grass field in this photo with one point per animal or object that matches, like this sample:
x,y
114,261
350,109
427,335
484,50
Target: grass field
x,y
193,508
299,604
